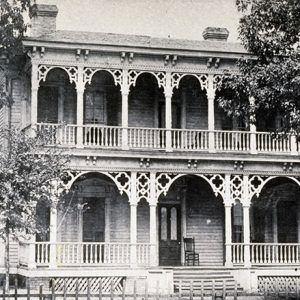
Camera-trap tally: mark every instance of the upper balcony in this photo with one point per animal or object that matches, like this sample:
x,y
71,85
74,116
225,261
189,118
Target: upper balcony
x,y
145,116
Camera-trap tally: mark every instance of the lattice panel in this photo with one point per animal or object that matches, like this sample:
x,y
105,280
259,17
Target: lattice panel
x,y
217,183
43,70
122,180
133,76
143,186
176,78
88,74
256,184
273,284
70,283
236,188
163,183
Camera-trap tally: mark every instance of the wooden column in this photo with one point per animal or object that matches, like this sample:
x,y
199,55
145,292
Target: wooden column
x,y
228,224
61,101
211,113
183,223
125,93
228,236
246,220
253,145
168,112
133,221
53,236
246,226
183,108
80,107
152,227
107,220
275,224
34,95
31,253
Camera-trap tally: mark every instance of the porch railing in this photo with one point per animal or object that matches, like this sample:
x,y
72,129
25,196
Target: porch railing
x,y
171,140
266,253
67,254
275,253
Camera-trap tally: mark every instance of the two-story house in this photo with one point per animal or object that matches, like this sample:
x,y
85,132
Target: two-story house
x,y
153,160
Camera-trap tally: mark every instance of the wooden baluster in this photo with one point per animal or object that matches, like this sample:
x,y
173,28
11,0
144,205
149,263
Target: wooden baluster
x,y
100,289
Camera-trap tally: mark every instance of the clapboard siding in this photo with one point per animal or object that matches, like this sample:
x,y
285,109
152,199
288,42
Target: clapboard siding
x,y
18,97
205,222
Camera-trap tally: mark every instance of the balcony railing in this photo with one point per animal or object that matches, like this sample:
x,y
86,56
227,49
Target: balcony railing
x,y
114,137
44,254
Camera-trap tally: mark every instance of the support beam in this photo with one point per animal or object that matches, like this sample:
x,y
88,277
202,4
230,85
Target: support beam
x,y
32,253
253,145
211,93
125,93
246,226
107,220
228,236
133,221
34,95
168,112
80,108
53,236
153,227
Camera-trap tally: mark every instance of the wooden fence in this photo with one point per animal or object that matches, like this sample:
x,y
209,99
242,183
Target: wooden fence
x,y
214,293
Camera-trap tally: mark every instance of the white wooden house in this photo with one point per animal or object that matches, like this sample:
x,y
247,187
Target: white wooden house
x,y
154,159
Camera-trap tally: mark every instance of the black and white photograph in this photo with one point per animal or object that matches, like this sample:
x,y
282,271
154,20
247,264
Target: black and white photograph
x,y
149,149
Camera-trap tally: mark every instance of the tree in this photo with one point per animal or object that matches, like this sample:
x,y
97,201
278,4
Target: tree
x,y
28,171
12,29
270,31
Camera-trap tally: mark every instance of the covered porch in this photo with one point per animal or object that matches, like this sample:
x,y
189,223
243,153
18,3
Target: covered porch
x,y
96,226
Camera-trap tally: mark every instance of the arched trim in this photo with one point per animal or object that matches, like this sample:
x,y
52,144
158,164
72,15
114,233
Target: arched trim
x,y
43,71
133,76
256,189
121,179
177,77
88,74
164,182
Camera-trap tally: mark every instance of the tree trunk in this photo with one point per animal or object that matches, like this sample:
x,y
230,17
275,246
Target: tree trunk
x,y
7,262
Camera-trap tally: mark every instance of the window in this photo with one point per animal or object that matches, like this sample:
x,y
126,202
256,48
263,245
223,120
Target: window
x,y
237,223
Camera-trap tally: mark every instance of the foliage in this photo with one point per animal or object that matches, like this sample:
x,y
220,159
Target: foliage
x,y
12,29
27,173
270,30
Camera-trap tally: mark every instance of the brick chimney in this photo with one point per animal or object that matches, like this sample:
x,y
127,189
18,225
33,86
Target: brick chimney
x,y
43,19
215,34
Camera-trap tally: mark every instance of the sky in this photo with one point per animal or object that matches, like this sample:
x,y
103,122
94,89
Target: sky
x,y
184,19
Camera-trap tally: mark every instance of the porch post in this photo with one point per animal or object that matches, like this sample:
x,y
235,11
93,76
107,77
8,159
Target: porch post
x,y
31,253
246,221
228,229
253,146
53,236
125,93
133,222
153,228
34,95
168,112
228,235
211,113
80,105
246,235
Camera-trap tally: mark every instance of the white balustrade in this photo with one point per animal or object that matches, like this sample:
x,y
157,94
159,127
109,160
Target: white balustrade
x,y
102,136
181,139
265,253
143,254
188,139
150,138
237,251
59,133
42,253
268,142
232,140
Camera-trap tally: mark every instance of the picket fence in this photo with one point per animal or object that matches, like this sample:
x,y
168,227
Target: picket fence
x,y
214,294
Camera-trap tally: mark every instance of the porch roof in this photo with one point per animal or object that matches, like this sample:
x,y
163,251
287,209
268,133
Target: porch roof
x,y
135,41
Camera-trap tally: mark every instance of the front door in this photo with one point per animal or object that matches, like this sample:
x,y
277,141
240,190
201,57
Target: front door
x,y
169,235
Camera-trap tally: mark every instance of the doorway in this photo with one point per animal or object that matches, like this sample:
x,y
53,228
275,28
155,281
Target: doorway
x,y
169,234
